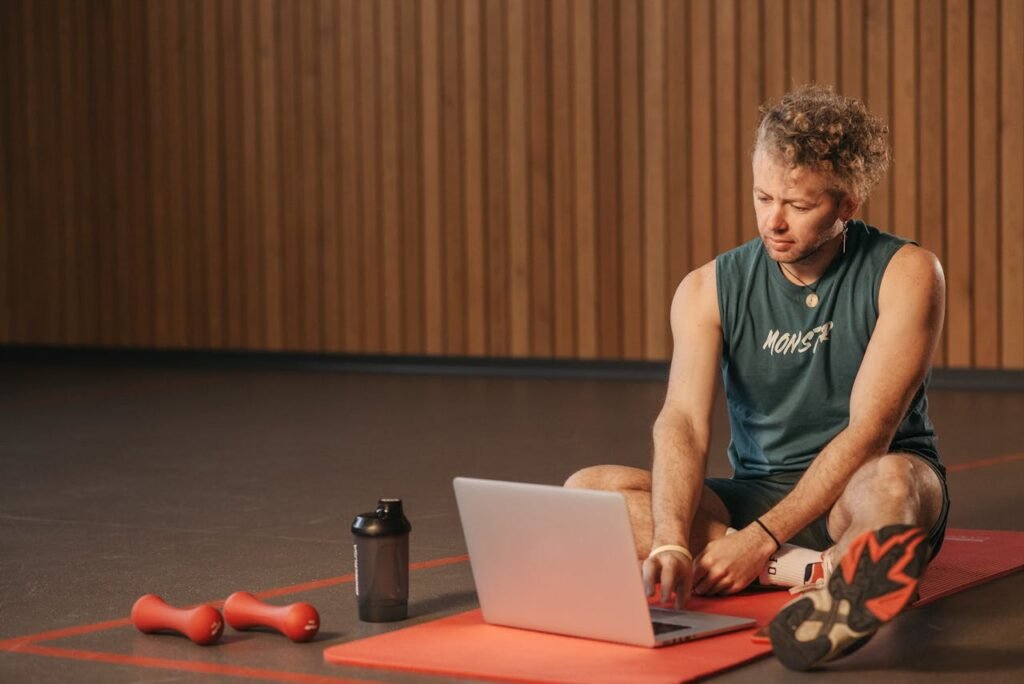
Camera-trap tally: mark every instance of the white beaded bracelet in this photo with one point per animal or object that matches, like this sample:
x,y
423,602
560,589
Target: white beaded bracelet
x,y
672,547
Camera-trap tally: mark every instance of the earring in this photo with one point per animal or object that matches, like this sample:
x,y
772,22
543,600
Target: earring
x,y
844,236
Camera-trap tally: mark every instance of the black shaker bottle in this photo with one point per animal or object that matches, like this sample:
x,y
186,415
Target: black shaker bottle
x,y
381,547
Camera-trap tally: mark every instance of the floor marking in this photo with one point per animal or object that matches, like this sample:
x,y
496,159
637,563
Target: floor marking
x,y
17,643
984,463
187,666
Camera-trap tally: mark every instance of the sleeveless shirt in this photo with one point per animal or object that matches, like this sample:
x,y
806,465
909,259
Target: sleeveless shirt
x,y
788,369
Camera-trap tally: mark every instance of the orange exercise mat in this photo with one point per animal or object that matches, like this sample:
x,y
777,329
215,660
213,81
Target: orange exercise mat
x,y
464,646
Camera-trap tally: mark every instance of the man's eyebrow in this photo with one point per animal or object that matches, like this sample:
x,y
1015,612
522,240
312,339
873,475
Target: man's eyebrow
x,y
809,196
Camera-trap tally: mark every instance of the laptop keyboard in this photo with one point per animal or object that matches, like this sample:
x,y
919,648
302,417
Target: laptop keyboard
x,y
662,627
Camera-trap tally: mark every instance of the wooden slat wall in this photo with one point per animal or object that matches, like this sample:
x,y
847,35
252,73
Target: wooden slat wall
x,y
526,178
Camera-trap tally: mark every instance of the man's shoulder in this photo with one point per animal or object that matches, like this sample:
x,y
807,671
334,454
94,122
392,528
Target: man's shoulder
x,y
914,265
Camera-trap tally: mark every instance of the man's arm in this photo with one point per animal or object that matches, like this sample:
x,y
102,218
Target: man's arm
x,y
911,304
682,430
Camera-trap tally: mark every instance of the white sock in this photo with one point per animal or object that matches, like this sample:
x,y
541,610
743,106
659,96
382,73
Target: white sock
x,y
792,566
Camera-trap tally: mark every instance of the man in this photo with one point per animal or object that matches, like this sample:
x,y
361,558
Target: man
x,y
824,330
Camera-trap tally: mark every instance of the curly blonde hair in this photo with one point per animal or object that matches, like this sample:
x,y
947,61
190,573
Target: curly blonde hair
x,y
837,136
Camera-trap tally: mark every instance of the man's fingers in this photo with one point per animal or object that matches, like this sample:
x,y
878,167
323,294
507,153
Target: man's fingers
x,y
648,570
668,582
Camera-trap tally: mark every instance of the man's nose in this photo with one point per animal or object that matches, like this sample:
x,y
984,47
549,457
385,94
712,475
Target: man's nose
x,y
775,220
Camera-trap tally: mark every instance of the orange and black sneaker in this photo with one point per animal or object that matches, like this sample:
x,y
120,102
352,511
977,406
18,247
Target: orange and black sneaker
x,y
876,578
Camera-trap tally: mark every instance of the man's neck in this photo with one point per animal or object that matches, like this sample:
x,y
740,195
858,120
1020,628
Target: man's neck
x,y
808,270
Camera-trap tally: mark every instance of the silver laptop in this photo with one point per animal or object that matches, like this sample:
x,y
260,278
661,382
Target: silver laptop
x,y
562,560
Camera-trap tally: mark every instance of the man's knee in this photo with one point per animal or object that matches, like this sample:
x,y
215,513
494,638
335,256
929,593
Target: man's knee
x,y
609,478
894,479
891,476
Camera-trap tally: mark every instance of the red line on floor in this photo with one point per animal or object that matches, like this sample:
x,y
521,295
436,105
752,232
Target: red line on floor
x,y
185,665
17,643
343,579
984,463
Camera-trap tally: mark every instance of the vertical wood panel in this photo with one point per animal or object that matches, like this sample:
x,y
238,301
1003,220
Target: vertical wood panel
x,y
678,148
539,170
878,210
799,43
958,183
6,304
452,180
496,85
158,207
851,64
309,195
86,292
702,133
13,222
481,177
985,225
607,157
518,230
584,142
65,176
41,126
1011,267
774,56
270,205
432,255
140,186
238,329
252,274
656,342
728,132
563,235
49,274
213,206
391,197
751,77
826,42
176,235
328,172
631,231
369,136
476,274
904,121
191,228
411,224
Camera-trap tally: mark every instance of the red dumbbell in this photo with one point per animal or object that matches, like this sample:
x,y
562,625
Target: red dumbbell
x,y
202,624
297,621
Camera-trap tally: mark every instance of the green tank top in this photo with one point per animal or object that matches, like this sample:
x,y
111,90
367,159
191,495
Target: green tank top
x,y
789,369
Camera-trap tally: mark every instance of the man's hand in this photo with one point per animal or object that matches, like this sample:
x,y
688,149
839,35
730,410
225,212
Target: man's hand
x,y
674,571
729,564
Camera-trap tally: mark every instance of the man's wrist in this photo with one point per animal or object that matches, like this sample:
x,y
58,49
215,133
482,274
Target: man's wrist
x,y
671,548
769,543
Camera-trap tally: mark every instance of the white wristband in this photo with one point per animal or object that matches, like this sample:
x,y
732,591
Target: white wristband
x,y
672,547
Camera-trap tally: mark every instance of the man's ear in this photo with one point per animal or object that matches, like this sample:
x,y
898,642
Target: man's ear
x,y
848,207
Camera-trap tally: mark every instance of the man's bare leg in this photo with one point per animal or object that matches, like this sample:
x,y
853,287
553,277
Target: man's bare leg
x,y
888,490
882,520
710,522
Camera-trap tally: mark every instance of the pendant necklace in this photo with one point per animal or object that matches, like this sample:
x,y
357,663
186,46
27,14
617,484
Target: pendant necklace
x,y
811,300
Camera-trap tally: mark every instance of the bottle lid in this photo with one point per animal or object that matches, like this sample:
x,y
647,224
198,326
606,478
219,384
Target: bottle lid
x,y
389,519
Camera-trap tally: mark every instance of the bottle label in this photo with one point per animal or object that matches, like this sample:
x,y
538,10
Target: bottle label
x,y
355,554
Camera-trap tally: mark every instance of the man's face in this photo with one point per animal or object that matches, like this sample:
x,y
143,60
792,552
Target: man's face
x,y
796,214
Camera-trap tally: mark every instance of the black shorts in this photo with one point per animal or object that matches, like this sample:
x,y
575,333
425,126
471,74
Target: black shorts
x,y
749,499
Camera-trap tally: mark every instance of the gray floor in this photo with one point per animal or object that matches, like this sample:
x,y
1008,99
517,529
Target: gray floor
x,y
118,480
